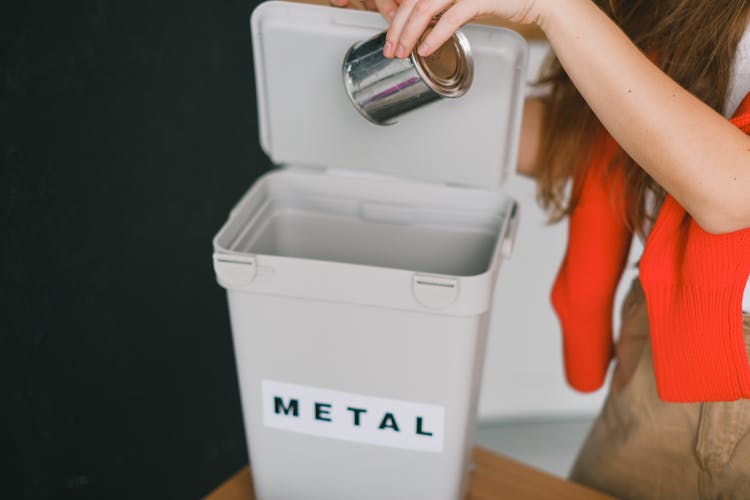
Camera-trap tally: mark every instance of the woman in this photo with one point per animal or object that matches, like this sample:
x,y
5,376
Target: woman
x,y
637,117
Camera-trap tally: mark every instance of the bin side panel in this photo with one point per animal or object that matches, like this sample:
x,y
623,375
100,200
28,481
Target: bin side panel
x,y
374,354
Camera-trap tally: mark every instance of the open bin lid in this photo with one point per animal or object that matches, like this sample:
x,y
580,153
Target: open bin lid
x,y
306,118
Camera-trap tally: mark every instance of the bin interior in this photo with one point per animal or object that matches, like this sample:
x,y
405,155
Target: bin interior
x,y
431,239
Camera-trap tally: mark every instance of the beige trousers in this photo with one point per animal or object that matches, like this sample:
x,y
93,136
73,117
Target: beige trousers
x,y
643,448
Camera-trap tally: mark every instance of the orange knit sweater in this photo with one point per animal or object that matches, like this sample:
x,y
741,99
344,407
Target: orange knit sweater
x,y
693,282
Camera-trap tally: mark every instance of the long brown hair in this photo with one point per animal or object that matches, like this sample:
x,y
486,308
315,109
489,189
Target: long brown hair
x,y
694,42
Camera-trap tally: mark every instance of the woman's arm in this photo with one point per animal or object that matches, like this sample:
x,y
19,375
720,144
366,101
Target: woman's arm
x,y
689,149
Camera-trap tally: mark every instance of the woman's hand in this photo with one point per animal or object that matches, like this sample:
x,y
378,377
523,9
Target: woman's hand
x,y
689,149
413,16
387,8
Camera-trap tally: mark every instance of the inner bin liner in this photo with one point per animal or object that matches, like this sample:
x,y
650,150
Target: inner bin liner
x,y
354,231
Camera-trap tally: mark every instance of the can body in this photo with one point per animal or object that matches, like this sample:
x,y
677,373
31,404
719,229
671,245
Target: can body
x,y
382,89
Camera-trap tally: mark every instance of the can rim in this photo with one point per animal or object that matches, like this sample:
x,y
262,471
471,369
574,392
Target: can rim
x,y
457,86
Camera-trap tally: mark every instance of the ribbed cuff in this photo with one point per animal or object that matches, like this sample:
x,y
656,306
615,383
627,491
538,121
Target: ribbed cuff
x,y
691,365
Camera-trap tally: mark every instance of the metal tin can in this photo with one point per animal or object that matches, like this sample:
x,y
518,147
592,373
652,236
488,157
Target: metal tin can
x,y
382,89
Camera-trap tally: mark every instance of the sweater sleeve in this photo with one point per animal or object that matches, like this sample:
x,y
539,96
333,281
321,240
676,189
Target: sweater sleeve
x,y
694,283
584,289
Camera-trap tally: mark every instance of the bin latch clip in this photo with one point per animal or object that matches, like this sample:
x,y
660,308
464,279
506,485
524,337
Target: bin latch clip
x,y
235,270
511,228
435,292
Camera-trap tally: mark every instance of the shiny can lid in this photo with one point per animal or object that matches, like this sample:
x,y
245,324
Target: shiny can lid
x,y
450,69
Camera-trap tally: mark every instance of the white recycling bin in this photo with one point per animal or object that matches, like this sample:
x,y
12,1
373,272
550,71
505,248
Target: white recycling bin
x,y
360,273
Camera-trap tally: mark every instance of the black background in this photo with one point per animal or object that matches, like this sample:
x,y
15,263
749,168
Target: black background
x,y
128,131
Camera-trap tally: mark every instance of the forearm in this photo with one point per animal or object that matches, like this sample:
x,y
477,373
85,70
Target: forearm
x,y
689,149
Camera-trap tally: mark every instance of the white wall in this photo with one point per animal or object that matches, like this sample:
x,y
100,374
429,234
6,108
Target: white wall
x,y
523,372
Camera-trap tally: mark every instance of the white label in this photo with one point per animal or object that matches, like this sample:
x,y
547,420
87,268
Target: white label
x,y
353,417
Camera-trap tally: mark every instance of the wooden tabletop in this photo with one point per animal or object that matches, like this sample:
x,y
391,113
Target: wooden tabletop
x,y
494,477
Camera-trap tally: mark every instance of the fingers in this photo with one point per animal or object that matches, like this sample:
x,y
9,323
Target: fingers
x,y
386,7
354,4
397,23
411,19
421,16
455,17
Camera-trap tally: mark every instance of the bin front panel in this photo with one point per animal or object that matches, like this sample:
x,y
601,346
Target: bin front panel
x,y
414,362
